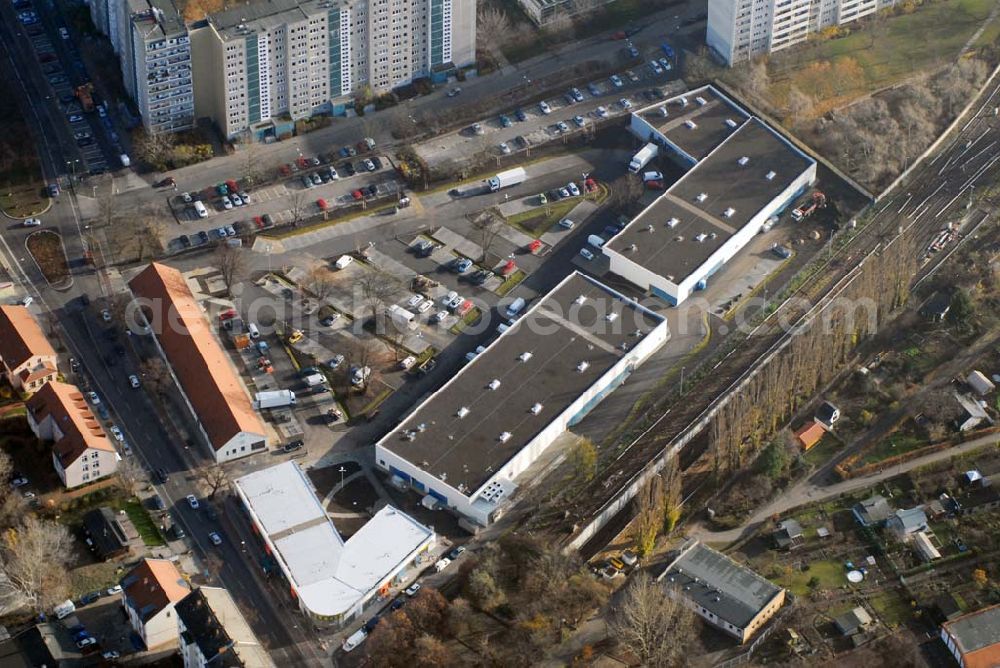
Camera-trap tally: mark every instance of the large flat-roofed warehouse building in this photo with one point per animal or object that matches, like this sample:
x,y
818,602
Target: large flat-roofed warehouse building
x,y
740,173
464,447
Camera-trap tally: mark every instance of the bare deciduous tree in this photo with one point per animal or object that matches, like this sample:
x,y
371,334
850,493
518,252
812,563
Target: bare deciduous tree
x,y
214,477
650,623
156,375
155,148
377,287
672,494
251,166
493,29
130,475
800,106
488,225
232,265
319,281
35,555
297,205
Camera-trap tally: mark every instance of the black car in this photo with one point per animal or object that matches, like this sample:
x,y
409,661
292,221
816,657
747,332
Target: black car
x,y
161,475
203,237
611,230
292,446
158,503
371,624
268,222
210,513
328,321
520,115
377,162
348,168
397,604
90,597
456,553
178,531
185,241
425,250
372,190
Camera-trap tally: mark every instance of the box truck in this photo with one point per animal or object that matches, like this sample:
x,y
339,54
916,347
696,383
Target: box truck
x,y
274,399
511,177
401,317
642,158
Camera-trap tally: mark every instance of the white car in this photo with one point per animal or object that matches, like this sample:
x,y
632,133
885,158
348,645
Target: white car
x,y
112,591
193,501
580,121
94,399
586,254
655,66
456,302
117,433
133,380
32,222
106,315
562,127
27,301
19,482
64,33
441,564
601,112
566,224
412,589
407,362
236,199
616,81
545,108
626,105
415,301
369,165
186,198
244,196
215,538
504,148
439,316
425,306
449,297
573,189
227,203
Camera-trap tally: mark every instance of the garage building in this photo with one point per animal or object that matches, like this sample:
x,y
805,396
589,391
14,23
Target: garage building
x,y
465,446
740,172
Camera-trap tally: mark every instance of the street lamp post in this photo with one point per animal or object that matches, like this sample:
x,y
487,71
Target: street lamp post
x,y
342,472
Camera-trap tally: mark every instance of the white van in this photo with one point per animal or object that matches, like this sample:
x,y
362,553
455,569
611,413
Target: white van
x,y
595,241
516,307
254,332
355,640
343,261
200,209
64,609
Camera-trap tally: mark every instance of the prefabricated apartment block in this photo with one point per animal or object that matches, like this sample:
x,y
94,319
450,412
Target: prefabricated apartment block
x,y
739,173
465,446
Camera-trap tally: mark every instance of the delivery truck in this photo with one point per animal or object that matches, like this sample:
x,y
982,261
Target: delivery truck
x,y
511,177
402,318
642,158
274,399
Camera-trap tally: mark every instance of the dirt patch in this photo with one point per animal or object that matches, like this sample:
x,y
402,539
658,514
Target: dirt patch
x,y
47,249
357,496
328,477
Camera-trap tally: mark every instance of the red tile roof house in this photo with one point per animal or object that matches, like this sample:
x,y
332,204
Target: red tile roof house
x,y
81,452
27,359
210,383
149,592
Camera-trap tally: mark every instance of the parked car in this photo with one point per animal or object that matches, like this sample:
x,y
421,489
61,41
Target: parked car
x,y
566,224
412,589
215,538
193,501
544,107
586,254
441,564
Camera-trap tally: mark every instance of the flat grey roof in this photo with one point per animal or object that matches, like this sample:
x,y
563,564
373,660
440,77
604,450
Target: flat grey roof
x,y
976,630
260,15
715,582
163,19
711,128
686,231
465,452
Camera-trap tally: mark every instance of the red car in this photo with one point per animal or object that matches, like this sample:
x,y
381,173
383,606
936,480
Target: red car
x,y
259,222
654,185
357,194
509,267
321,203
534,246
590,185
232,185
303,162
285,170
228,314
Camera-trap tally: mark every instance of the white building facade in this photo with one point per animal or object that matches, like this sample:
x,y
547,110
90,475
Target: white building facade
x,y
739,30
289,59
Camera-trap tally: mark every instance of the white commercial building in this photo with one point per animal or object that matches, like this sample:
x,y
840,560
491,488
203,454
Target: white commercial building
x,y
265,64
740,172
738,30
333,579
466,445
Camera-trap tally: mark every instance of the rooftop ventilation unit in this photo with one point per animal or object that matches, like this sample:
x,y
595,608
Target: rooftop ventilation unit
x,y
691,124
525,356
728,213
611,317
494,384
582,366
633,247
770,176
536,409
580,300
670,277
679,237
712,235
731,123
702,197
637,333
673,222
504,437
701,237
701,101
462,412
623,346
650,229
743,161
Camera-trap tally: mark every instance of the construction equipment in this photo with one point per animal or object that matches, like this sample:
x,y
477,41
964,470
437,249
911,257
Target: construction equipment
x,y
85,94
816,201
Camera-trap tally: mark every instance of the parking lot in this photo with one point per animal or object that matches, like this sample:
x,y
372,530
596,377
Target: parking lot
x,y
577,110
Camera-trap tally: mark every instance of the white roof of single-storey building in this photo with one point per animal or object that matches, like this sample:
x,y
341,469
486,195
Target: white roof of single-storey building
x,y
330,575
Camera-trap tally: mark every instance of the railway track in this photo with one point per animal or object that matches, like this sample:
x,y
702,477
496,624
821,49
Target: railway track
x,y
934,194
